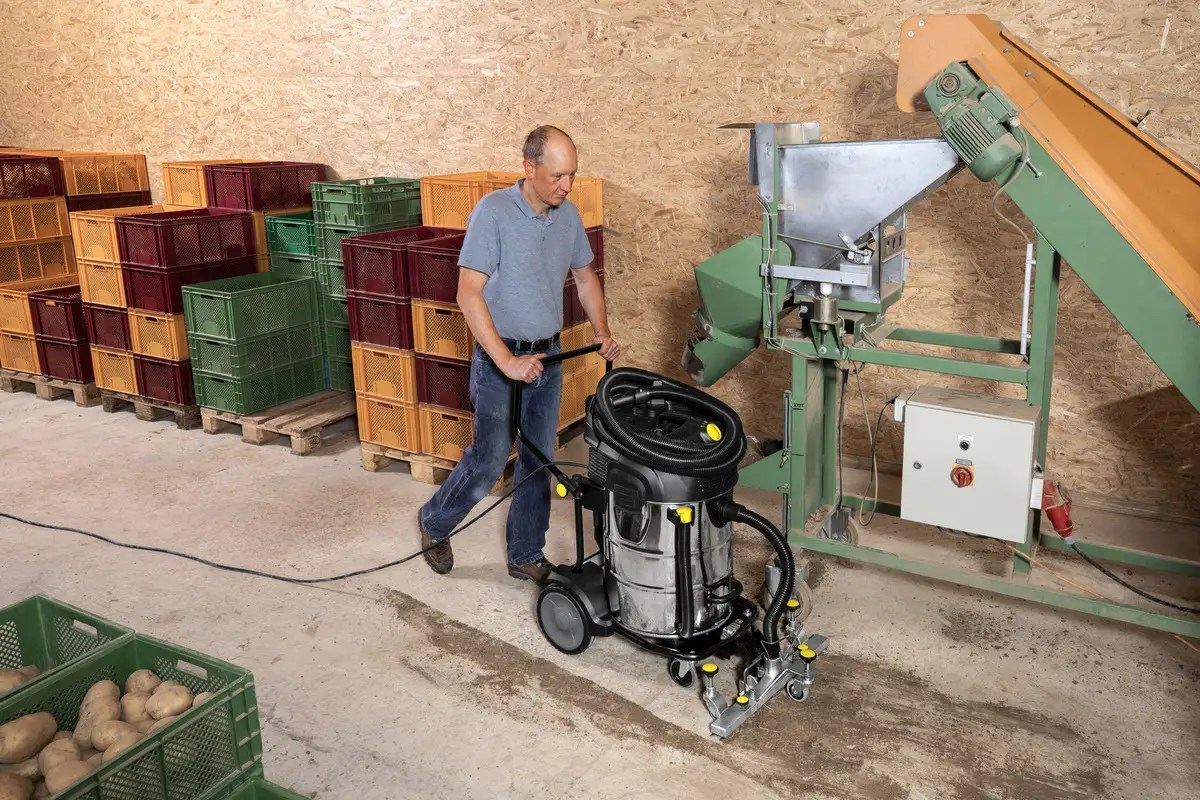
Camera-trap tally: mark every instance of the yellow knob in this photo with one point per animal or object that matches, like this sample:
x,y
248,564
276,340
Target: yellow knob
x,y
713,432
807,653
709,669
560,490
685,514
742,700
793,603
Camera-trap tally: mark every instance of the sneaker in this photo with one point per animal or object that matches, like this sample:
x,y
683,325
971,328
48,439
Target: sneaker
x,y
440,558
537,572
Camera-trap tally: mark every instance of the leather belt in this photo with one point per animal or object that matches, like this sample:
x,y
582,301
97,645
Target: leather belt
x,y
526,346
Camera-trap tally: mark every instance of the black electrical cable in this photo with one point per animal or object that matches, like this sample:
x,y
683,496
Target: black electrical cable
x,y
285,579
874,445
1130,587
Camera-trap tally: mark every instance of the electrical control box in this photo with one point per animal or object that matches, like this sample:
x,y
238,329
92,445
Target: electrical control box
x,y
968,461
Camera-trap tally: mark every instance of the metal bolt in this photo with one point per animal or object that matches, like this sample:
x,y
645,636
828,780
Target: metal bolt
x,y
821,351
1028,74
916,465
912,34
921,23
1006,50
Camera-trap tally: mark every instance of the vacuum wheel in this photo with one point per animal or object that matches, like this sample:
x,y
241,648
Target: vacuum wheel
x,y
796,690
681,672
804,594
563,620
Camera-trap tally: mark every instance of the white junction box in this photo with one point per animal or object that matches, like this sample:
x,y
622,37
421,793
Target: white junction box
x,y
968,462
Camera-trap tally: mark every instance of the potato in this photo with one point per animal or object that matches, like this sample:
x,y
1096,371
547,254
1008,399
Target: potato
x,y
166,685
10,679
100,704
202,698
169,702
63,735
26,769
95,759
15,787
56,752
146,725
87,752
123,743
104,734
23,738
40,792
65,774
133,707
160,724
142,681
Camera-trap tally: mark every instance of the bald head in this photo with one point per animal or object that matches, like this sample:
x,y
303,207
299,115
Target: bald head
x,y
550,162
540,138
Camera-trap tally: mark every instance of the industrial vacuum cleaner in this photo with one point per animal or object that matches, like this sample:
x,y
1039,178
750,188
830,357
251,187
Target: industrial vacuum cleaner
x,y
660,477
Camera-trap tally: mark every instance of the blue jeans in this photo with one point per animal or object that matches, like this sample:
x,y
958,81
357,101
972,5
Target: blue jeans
x,y
483,462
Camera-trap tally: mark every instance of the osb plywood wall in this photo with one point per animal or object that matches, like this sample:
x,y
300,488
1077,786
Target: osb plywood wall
x,y
417,87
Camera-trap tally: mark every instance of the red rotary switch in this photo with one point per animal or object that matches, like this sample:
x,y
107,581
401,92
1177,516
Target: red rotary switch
x,y
961,476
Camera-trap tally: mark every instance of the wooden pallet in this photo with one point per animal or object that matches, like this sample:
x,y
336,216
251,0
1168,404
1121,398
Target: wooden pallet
x,y
302,420
149,409
434,470
47,388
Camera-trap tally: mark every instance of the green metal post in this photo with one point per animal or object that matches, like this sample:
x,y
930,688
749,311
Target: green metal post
x,y
829,483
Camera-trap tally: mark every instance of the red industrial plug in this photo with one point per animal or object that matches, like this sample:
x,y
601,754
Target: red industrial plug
x,y
1056,502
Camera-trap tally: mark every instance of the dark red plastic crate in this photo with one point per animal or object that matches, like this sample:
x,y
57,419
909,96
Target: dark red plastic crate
x,y
263,185
107,326
382,321
573,311
172,239
58,314
596,240
156,289
96,202
30,176
169,381
444,382
68,361
376,262
433,269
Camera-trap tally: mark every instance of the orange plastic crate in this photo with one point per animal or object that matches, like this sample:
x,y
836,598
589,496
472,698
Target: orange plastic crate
x,y
573,338
158,335
183,182
19,353
102,283
384,372
104,173
34,218
440,329
390,423
114,370
447,200
262,262
445,433
95,232
40,258
570,405
16,316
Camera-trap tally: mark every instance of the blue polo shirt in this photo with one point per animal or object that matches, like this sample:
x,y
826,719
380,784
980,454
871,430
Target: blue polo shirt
x,y
526,257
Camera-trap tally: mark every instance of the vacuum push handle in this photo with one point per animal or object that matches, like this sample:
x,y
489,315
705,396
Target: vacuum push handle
x,y
582,351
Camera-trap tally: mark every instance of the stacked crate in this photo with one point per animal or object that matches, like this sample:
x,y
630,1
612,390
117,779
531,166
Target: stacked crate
x,y
255,341
61,333
98,180
343,210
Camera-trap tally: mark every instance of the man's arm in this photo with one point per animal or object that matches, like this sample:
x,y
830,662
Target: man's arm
x,y
591,295
479,319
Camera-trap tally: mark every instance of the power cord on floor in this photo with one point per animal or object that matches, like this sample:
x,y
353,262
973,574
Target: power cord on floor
x,y
259,573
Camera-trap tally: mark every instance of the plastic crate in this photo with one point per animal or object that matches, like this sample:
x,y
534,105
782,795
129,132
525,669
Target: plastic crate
x,y
376,263
58,314
250,306
168,381
445,433
263,185
42,632
263,390
254,355
262,262
183,181
332,278
448,200
102,283
26,176
293,234
573,311
40,258
87,173
68,361
385,373
172,239
339,374
262,243
390,423
158,335
16,315
36,218
259,789
335,338
444,382
94,233
368,202
570,404
330,238
108,326
114,370
296,266
433,269
19,352
98,202
208,749
157,290
381,321
441,330
573,338
335,311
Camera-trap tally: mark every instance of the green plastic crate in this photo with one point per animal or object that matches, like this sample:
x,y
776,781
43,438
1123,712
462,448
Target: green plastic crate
x,y
368,202
296,266
292,234
341,374
257,392
336,340
335,311
51,636
211,749
249,305
329,237
332,278
259,789
247,357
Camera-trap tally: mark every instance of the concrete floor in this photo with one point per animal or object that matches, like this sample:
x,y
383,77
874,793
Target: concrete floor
x,y
406,684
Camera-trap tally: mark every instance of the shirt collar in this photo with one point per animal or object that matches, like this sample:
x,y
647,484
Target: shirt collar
x,y
523,204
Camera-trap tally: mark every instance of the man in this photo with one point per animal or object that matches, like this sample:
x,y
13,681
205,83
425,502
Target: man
x,y
519,244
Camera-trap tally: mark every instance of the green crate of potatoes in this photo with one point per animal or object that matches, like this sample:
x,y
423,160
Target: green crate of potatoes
x,y
296,266
259,789
368,202
256,354
209,749
261,390
292,234
249,305
48,636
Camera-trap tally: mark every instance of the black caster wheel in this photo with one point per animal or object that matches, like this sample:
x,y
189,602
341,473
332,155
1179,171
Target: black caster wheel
x,y
563,620
796,690
681,672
